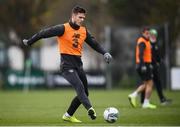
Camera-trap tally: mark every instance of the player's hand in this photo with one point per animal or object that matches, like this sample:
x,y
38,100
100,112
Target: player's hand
x,y
157,64
25,42
107,57
151,66
143,68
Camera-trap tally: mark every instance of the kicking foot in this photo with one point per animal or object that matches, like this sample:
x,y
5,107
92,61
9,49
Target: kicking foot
x,y
92,113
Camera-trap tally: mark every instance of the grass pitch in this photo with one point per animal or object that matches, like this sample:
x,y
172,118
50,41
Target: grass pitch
x,y
45,108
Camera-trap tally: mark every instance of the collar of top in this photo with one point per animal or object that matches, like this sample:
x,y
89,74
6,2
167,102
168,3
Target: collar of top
x,y
74,25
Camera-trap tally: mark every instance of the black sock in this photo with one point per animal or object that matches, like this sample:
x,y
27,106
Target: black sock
x,y
142,97
74,105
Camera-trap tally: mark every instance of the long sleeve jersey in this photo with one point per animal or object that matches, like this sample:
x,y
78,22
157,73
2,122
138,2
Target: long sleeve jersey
x,y
67,61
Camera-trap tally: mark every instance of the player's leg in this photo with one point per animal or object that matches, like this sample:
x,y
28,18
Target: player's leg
x,y
82,75
142,97
148,90
132,97
158,85
72,77
83,78
76,102
68,116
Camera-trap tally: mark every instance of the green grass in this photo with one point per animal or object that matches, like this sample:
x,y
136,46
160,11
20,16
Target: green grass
x,y
47,107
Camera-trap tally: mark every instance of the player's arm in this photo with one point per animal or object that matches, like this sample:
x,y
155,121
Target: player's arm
x,y
142,46
45,33
158,54
91,41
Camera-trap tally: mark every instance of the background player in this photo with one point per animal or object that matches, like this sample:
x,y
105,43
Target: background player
x,y
156,61
144,69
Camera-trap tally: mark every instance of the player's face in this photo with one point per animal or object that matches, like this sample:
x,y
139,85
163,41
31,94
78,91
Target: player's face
x,y
146,34
153,38
78,18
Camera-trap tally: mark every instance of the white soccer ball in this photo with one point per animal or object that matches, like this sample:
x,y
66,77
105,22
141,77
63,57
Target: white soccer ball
x,y
111,114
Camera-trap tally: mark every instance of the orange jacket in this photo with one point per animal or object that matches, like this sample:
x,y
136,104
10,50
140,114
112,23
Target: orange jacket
x,y
71,42
147,56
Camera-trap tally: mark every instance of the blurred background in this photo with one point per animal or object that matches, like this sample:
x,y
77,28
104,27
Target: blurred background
x,y
115,24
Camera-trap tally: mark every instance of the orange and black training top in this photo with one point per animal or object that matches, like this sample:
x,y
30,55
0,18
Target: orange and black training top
x,y
71,42
71,38
143,51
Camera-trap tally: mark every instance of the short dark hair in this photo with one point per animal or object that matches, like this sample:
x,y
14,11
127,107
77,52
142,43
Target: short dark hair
x,y
78,9
145,28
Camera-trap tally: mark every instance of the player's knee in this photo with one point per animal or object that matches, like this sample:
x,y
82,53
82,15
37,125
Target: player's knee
x,y
80,90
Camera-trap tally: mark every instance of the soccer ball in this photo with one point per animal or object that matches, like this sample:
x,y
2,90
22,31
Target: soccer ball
x,y
111,114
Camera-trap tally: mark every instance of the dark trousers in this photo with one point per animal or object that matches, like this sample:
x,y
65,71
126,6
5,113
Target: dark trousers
x,y
77,78
157,83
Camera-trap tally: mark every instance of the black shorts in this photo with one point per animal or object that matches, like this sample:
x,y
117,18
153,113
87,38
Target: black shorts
x,y
146,75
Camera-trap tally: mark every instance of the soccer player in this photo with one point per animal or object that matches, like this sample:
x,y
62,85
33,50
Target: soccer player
x,y
144,69
71,37
156,60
